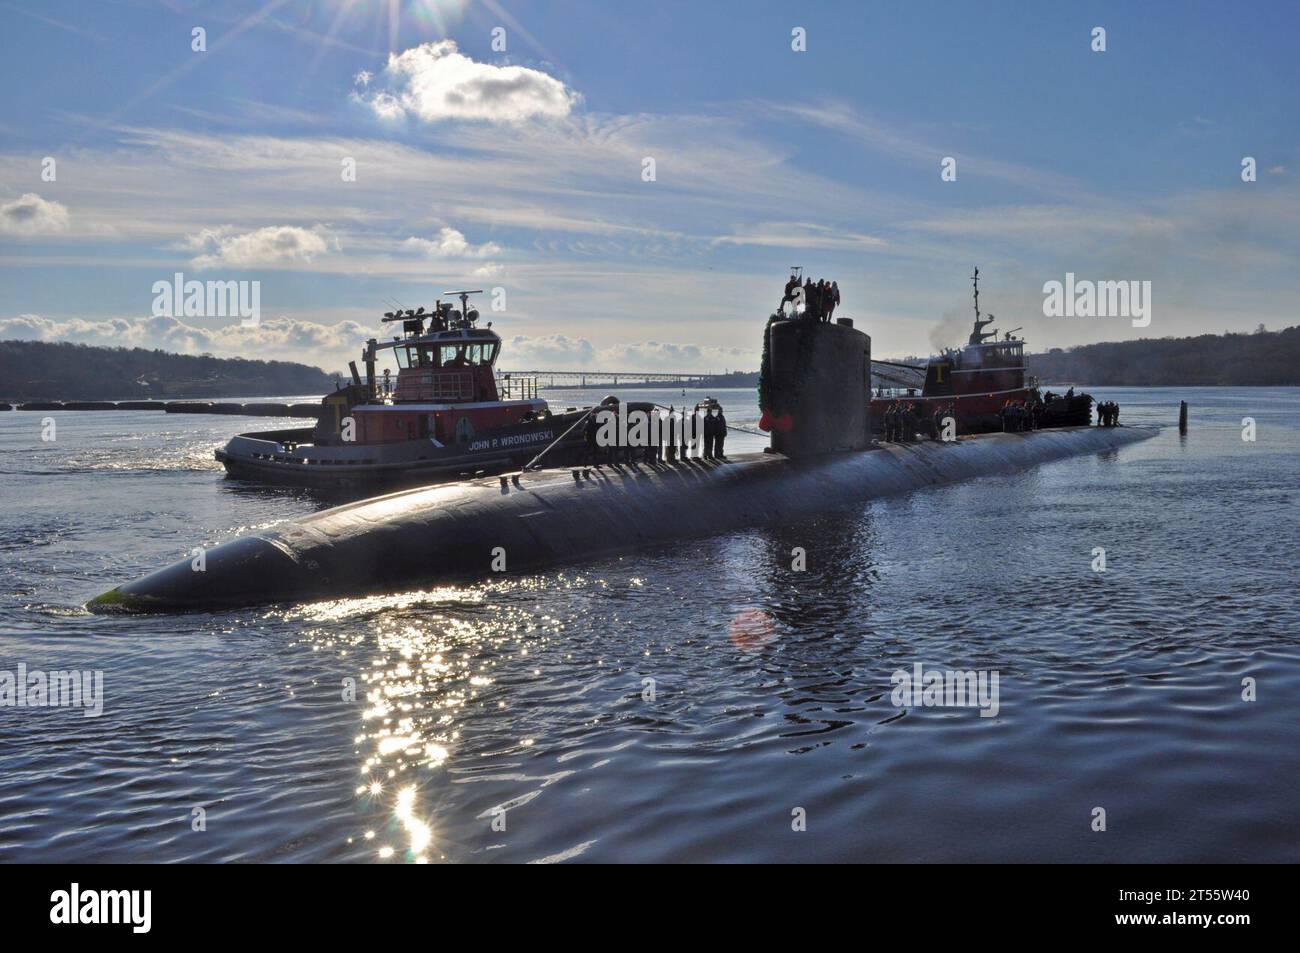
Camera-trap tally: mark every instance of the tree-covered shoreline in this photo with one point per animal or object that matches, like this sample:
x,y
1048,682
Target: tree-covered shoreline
x,y
1261,359
41,370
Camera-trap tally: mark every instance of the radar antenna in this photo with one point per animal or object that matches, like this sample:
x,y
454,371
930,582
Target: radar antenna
x,y
467,316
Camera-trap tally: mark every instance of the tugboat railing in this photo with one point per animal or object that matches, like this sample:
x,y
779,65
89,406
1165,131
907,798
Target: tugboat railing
x,y
516,387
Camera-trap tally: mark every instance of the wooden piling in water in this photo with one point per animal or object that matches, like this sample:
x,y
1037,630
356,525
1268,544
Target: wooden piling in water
x,y
1182,416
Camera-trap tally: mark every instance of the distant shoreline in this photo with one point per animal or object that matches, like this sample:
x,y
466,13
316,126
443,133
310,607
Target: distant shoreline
x,y
62,371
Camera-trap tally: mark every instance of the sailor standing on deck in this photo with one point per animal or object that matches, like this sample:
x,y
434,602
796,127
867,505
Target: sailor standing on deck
x,y
709,432
591,452
790,286
719,435
652,449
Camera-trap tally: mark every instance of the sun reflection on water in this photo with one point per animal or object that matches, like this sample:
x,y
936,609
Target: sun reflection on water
x,y
426,665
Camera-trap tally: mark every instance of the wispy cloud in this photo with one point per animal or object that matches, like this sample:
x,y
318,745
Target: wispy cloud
x,y
804,235
889,140
73,28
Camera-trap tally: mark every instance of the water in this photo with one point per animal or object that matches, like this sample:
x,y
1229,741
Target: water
x,y
1120,690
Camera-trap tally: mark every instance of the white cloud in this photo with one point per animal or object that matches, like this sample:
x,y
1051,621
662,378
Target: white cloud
x,y
555,351
29,214
363,78
451,243
435,81
287,339
331,345
560,352
270,246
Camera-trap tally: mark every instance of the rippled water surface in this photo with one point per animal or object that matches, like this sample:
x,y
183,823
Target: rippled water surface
x,y
680,703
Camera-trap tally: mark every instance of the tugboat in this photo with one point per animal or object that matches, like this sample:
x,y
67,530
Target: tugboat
x,y
978,380
447,414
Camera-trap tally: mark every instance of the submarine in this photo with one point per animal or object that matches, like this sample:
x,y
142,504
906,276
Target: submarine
x,y
822,456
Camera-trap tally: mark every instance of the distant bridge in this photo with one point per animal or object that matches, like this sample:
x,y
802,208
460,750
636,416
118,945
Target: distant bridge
x,y
883,374
621,378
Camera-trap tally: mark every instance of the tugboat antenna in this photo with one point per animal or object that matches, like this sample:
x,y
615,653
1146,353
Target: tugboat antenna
x,y
464,298
976,279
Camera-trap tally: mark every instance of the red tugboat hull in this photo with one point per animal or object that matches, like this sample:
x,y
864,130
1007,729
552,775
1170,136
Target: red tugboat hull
x,y
976,413
445,415
977,381
288,457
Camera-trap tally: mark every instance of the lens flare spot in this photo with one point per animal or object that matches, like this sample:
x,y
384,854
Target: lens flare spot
x,y
752,629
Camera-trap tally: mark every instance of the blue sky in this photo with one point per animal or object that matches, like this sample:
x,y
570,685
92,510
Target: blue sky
x,y
522,169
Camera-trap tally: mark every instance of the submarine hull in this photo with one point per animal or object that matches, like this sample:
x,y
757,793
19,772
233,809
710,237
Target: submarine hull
x,y
471,529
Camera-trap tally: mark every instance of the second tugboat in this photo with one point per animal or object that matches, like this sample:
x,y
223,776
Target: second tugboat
x,y
978,382
445,415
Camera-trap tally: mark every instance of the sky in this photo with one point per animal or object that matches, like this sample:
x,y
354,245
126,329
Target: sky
x,y
504,145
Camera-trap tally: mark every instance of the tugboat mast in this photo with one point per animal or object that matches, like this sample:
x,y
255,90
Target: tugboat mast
x,y
978,335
